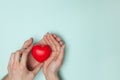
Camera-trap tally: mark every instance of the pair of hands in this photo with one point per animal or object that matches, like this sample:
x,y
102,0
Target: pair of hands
x,y
22,66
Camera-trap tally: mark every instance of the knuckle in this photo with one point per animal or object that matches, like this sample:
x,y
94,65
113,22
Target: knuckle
x,y
54,49
15,66
58,47
22,67
17,51
25,52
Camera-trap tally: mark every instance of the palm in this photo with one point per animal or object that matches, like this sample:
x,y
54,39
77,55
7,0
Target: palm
x,y
51,65
31,62
54,62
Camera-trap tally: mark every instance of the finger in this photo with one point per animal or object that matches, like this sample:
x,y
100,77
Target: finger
x,y
37,68
50,41
21,51
46,40
17,57
27,43
61,55
25,55
54,42
56,37
43,42
61,43
11,61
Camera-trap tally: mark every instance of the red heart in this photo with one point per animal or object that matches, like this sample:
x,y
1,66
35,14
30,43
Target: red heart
x,y
41,52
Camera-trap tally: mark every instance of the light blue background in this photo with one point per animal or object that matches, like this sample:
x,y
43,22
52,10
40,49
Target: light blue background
x,y
90,28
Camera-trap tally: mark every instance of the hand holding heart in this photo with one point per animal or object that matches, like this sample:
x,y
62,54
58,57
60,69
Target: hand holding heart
x,y
17,67
48,52
56,53
54,62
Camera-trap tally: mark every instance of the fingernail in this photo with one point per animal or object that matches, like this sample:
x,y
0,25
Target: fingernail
x,y
48,33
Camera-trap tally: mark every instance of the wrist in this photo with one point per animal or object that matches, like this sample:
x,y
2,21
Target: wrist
x,y
6,77
52,76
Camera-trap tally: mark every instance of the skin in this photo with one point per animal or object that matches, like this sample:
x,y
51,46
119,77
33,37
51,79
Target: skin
x,y
17,68
31,62
53,64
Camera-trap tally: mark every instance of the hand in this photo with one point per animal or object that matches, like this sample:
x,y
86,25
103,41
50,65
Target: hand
x,y
17,67
31,62
53,64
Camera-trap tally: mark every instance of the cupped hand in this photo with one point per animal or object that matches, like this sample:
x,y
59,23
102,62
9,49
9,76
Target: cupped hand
x,y
17,67
52,65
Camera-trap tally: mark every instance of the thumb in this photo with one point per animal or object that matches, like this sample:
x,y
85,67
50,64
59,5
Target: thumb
x,y
37,68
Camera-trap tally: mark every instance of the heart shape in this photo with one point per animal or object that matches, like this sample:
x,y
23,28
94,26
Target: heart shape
x,y
41,52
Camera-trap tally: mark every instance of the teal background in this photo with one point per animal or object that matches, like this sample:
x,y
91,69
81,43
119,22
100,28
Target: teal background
x,y
90,29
